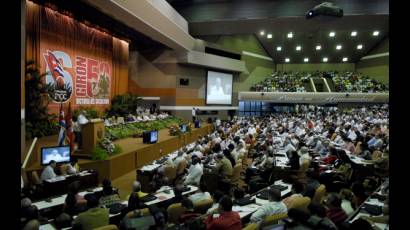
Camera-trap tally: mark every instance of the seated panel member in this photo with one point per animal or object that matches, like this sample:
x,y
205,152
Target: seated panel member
x,y
48,172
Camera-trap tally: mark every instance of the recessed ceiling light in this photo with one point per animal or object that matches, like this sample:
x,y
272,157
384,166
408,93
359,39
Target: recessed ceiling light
x,y
306,59
359,47
287,60
262,33
339,47
353,34
298,48
269,36
318,47
279,48
344,59
325,59
290,35
332,34
375,33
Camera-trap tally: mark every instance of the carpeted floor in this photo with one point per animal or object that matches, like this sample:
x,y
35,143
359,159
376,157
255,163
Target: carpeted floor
x,y
124,184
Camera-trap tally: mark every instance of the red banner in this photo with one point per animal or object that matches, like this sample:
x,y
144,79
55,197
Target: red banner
x,y
77,59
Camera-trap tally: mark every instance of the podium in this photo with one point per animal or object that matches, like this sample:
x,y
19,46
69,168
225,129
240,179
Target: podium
x,y
92,133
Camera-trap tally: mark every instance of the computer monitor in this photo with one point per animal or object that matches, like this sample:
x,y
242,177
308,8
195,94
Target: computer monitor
x,y
183,128
149,137
60,154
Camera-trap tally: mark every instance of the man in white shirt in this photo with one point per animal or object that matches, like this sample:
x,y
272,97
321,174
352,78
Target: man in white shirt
x,y
179,158
275,206
198,152
194,172
48,172
288,146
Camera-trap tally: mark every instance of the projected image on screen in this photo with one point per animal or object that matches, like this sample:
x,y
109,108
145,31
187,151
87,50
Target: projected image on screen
x,y
58,154
219,88
154,136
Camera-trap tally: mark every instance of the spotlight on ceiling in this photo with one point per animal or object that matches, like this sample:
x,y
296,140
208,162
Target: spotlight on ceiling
x,y
287,60
345,59
279,48
269,36
262,33
318,47
325,59
359,47
306,60
290,35
353,33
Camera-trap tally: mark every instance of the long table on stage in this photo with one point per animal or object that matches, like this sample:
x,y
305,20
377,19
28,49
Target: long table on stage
x,y
59,186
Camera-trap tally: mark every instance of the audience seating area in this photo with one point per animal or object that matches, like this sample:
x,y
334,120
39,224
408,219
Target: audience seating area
x,y
313,170
300,81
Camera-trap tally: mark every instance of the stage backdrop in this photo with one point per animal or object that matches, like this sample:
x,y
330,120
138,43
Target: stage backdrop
x,y
84,66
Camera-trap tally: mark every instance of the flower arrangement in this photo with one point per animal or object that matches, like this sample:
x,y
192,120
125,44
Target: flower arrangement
x,y
104,149
174,130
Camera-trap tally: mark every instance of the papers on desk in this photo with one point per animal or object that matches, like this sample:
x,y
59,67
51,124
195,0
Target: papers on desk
x,y
362,214
150,167
55,179
246,208
375,202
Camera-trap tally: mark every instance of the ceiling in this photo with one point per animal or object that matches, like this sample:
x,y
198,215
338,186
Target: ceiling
x,y
279,17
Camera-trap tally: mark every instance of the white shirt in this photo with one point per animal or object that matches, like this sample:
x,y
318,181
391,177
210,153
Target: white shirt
x,y
199,196
194,174
198,154
48,173
267,210
193,112
71,169
289,147
178,160
347,207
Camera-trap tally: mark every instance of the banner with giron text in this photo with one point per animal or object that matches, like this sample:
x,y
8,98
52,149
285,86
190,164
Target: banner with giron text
x,y
77,60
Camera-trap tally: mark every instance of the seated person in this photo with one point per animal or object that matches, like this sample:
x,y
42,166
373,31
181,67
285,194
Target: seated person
x,y
334,209
294,160
227,218
304,155
31,225
216,196
136,188
48,172
223,166
109,197
275,206
31,213
297,189
195,172
63,221
347,198
74,202
201,195
72,167
188,213
159,180
94,217
319,219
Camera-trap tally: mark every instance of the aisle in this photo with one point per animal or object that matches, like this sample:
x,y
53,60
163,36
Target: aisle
x,y
124,184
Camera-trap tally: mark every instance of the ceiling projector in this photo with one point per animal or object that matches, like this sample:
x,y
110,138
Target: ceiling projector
x,y
325,9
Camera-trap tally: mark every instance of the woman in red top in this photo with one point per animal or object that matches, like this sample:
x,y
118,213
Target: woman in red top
x,y
227,220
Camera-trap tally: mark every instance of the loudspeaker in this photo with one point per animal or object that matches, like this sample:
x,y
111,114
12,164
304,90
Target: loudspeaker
x,y
184,81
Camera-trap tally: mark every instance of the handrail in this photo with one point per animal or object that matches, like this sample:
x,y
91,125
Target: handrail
x,y
29,153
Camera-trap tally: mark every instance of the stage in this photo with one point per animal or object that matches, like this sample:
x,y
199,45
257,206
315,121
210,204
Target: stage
x,y
134,154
